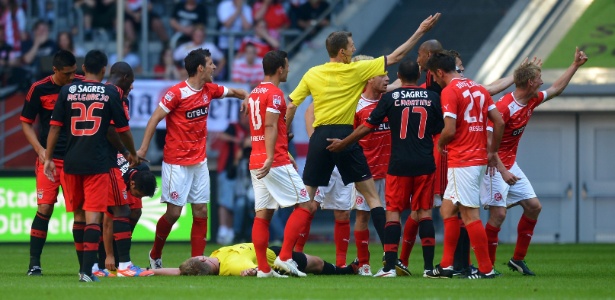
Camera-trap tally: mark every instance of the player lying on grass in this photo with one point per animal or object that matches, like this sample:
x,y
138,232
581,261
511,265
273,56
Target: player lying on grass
x,y
240,260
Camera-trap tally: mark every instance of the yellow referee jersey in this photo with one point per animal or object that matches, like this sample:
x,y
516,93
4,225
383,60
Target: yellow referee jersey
x,y
236,258
336,88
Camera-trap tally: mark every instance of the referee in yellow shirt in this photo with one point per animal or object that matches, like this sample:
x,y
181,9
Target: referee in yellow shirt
x,y
335,88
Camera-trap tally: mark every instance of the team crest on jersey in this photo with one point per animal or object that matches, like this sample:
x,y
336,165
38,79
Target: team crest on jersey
x,y
359,200
303,193
395,95
497,196
205,98
277,100
174,195
72,89
39,194
125,195
169,96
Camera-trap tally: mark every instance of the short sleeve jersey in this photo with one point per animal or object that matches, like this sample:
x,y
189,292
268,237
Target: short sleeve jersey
x,y
236,258
40,100
187,110
336,88
376,145
86,109
468,103
414,117
266,97
515,117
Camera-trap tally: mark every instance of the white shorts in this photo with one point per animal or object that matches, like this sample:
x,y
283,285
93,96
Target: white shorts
x,y
494,191
464,185
359,200
185,184
336,195
281,187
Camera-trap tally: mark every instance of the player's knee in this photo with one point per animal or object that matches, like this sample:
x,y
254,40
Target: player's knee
x,y
45,209
172,216
497,217
533,208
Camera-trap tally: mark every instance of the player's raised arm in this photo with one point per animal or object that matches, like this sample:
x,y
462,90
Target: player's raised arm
x,y
404,48
150,129
562,82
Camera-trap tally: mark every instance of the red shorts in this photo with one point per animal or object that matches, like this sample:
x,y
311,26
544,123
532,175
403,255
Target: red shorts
x,y
88,192
399,189
118,195
47,190
135,203
440,176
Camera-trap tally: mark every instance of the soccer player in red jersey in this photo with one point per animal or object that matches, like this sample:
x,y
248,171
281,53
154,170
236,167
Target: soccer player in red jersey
x,y
40,101
510,187
87,109
185,176
414,116
467,107
274,179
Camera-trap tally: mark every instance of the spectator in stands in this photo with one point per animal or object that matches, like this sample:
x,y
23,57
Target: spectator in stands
x,y
167,68
293,12
248,68
261,40
185,16
234,16
308,15
38,46
97,14
274,15
65,42
13,18
198,41
132,24
130,56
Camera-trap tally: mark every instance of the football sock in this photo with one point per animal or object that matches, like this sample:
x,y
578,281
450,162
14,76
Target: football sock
x,y
163,228
410,230
392,232
427,233
102,254
379,219
525,230
451,235
478,238
38,236
78,231
341,236
198,236
329,269
91,238
303,237
294,226
122,235
462,251
492,240
260,239
361,238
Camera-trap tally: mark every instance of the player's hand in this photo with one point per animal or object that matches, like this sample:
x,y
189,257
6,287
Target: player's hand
x,y
509,177
429,23
442,149
291,136
579,57
110,263
262,172
492,163
249,272
133,160
245,106
50,170
141,155
41,155
336,145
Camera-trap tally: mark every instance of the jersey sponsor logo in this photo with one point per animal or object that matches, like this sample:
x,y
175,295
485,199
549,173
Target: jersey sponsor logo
x,y
414,94
384,126
169,96
86,89
518,131
197,112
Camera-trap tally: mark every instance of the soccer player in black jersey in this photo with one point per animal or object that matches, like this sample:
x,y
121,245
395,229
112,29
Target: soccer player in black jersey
x,y
85,110
414,117
39,102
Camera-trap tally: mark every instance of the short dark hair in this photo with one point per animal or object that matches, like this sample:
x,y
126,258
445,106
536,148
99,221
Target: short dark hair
x,y
95,61
274,60
39,23
409,71
337,40
145,182
441,60
194,59
63,58
455,53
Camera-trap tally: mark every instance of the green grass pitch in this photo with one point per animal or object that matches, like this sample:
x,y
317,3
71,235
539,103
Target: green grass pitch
x,y
579,271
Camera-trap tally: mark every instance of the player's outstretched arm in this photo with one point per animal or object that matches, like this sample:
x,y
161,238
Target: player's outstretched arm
x,y
150,128
237,93
404,48
562,82
129,143
393,86
338,145
166,272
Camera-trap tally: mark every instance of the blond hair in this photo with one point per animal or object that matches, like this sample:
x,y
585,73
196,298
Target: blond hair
x,y
194,267
525,73
362,57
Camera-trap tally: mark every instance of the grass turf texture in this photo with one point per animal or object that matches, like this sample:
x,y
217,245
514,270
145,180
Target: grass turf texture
x,y
564,272
594,33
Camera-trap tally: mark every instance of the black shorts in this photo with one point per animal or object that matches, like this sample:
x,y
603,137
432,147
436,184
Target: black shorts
x,y
320,162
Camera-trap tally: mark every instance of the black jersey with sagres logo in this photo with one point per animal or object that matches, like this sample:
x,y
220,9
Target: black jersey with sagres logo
x,y
86,109
414,117
40,100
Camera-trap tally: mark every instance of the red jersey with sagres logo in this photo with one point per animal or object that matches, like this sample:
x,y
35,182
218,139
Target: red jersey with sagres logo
x,y
266,97
187,110
376,145
468,102
515,117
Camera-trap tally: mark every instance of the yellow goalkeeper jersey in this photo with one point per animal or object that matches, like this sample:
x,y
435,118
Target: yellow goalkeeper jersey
x,y
239,257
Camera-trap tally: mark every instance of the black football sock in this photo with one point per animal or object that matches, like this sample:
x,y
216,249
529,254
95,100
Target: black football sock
x,y
427,234
392,232
462,252
78,231
91,238
379,219
38,236
122,236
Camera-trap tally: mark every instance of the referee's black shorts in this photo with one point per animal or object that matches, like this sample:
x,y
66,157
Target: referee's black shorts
x,y
320,162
